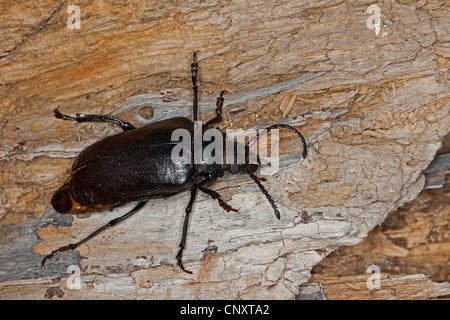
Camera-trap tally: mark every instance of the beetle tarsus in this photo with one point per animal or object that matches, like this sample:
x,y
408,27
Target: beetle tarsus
x,y
96,232
216,196
47,257
180,260
62,249
81,117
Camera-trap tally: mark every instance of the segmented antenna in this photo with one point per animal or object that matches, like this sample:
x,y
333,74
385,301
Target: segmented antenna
x,y
258,180
274,126
264,191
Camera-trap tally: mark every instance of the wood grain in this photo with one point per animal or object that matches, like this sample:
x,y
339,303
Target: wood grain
x,y
410,250
373,120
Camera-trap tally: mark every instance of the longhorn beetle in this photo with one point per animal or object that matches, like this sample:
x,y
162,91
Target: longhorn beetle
x,y
136,165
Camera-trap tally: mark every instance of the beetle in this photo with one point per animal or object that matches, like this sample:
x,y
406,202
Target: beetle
x,y
136,165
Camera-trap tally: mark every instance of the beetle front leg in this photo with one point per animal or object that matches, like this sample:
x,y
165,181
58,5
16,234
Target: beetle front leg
x,y
81,117
219,106
194,71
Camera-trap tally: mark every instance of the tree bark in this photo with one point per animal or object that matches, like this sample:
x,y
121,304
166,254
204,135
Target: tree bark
x,y
406,257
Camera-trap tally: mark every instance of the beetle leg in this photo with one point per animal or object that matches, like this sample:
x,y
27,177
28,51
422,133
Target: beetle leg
x,y
194,71
194,190
216,196
81,117
185,228
96,232
219,105
264,191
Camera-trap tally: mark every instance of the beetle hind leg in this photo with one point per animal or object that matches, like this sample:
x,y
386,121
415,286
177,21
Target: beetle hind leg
x,y
96,232
81,117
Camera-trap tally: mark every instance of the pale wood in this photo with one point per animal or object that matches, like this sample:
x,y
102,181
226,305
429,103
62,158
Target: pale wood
x,y
373,122
415,239
356,287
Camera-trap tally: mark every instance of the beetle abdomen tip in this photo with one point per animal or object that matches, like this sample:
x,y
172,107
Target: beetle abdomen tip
x,y
61,200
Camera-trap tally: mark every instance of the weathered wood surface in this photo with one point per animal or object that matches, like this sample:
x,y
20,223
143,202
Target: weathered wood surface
x,y
437,172
373,122
389,287
410,252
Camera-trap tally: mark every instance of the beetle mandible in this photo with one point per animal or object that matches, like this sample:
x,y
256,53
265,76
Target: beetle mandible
x,y
136,165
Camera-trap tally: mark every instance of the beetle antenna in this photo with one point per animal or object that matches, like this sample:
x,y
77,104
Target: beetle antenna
x,y
274,126
258,159
96,232
264,191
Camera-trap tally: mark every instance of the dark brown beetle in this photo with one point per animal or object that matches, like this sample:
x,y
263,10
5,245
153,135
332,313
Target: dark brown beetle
x,y
136,165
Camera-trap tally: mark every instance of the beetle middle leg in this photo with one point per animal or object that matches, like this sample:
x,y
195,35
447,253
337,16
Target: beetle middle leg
x,y
96,232
194,71
216,196
264,191
81,117
182,244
